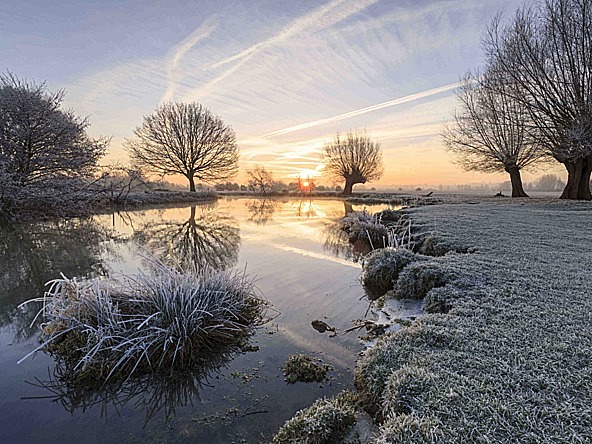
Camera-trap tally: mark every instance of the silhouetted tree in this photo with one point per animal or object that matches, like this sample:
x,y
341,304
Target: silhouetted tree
x,y
355,158
546,50
548,182
186,139
490,132
260,180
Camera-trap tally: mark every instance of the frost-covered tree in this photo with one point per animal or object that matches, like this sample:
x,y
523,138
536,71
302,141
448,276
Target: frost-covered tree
x,y
491,129
39,141
546,49
355,158
186,139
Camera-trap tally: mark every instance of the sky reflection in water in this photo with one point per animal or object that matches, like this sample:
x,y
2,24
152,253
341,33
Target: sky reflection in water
x,y
301,267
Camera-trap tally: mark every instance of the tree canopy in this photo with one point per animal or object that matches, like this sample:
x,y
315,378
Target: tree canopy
x,y
39,141
491,130
186,139
355,158
546,50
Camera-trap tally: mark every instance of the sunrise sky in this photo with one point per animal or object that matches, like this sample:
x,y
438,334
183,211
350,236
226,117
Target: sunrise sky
x,y
286,75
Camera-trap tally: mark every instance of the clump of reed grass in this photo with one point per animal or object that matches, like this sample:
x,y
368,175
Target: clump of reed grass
x,y
160,321
384,229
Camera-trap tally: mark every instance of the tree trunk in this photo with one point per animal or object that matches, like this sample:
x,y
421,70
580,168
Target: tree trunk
x,y
517,189
578,179
348,189
191,183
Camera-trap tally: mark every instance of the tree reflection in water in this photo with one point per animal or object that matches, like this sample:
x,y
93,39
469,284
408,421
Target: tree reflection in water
x,y
337,240
209,239
150,393
31,254
261,210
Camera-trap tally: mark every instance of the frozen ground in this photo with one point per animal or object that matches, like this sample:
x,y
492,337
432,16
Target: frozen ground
x,y
512,360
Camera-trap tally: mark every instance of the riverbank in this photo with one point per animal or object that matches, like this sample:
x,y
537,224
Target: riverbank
x,y
36,208
508,359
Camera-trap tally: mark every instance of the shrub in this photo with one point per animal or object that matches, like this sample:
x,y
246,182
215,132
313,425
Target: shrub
x,y
327,421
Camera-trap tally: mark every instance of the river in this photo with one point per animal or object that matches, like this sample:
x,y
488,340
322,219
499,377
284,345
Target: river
x,y
302,268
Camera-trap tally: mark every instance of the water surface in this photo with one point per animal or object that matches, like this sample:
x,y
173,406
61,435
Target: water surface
x,y
303,268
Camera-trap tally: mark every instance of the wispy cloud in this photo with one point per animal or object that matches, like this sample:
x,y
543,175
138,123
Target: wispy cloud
x,y
368,109
177,54
320,18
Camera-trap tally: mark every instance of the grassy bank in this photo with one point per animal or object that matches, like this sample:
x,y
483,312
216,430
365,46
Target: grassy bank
x,y
510,362
504,353
50,205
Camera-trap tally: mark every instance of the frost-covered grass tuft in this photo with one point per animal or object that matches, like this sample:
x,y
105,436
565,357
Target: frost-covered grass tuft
x,y
327,421
387,228
418,278
411,428
382,268
404,389
161,321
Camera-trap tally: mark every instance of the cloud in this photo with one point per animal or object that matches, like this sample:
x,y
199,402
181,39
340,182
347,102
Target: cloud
x,y
368,109
177,54
320,18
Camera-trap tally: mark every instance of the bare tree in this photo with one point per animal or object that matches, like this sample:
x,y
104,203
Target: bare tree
x,y
260,180
186,139
40,142
547,51
355,158
490,132
117,181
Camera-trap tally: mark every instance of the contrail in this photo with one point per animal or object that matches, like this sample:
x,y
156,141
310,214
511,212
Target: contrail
x,y
201,33
320,18
348,115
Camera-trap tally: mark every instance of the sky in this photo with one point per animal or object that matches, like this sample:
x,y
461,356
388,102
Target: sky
x,y
286,75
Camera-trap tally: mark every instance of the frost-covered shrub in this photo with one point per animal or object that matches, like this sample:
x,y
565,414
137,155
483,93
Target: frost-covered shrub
x,y
382,268
327,421
417,279
403,389
302,368
159,321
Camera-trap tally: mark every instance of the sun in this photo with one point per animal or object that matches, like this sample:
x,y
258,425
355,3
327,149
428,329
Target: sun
x,y
305,183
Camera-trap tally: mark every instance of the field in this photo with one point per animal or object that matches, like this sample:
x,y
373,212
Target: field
x,y
510,362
